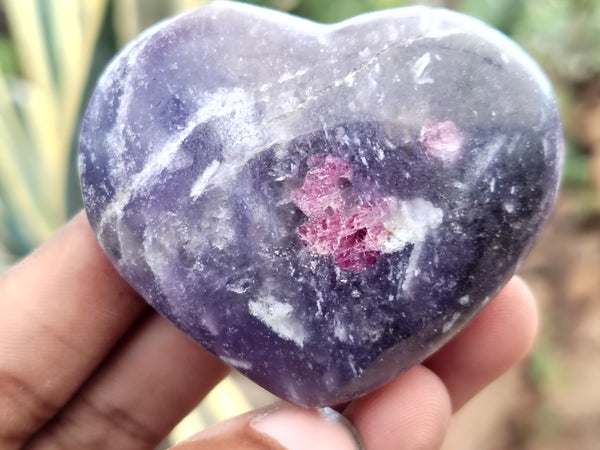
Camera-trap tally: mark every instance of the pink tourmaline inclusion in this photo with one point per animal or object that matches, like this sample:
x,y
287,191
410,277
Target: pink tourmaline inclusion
x,y
353,233
442,140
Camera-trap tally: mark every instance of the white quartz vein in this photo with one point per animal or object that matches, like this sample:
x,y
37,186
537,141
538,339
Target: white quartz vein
x,y
450,323
202,182
348,79
217,105
419,69
278,316
237,363
412,268
116,140
409,222
485,156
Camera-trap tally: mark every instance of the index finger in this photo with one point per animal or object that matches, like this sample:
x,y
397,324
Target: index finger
x,y
61,311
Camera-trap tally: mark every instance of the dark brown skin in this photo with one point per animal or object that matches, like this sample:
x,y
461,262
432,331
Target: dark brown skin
x,y
86,364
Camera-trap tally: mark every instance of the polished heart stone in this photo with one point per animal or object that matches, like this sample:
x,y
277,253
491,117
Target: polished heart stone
x,y
320,206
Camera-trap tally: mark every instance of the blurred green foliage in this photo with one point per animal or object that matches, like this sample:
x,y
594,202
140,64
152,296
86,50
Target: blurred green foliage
x,y
45,59
336,10
8,58
501,14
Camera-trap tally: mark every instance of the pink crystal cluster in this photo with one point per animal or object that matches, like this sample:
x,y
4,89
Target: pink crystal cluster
x,y
352,232
442,140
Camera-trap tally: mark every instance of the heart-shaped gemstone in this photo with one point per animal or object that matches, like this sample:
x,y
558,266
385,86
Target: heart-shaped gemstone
x,y
320,206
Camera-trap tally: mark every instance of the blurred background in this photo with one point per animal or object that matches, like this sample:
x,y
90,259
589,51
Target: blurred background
x,y
52,51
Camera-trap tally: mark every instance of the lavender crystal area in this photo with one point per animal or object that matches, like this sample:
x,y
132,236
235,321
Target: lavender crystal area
x,y
320,206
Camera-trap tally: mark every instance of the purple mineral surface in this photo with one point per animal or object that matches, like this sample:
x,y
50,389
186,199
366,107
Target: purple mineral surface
x,y
320,206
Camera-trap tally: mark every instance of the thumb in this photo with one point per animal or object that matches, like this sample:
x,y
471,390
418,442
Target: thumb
x,y
279,427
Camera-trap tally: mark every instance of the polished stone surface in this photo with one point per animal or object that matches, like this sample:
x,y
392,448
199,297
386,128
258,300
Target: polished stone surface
x,y
320,206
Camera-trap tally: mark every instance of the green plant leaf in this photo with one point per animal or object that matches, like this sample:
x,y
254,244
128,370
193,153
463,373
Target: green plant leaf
x,y
501,14
53,44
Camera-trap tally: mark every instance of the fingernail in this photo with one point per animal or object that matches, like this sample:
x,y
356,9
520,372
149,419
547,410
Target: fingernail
x,y
282,427
300,429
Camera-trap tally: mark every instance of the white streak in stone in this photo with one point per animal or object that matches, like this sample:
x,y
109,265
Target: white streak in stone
x,y
547,146
353,367
203,180
419,69
290,76
116,140
484,157
237,363
512,146
409,222
450,323
239,286
348,79
339,331
319,303
148,176
464,300
210,324
127,242
412,268
221,103
278,316
158,254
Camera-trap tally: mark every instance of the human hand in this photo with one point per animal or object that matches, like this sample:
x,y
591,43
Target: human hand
x,y
86,364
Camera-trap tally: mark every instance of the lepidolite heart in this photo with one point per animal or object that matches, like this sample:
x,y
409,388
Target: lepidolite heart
x,y
320,206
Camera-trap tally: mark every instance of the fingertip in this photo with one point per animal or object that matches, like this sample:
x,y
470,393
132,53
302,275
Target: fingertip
x,y
411,412
280,427
299,428
497,339
521,295
506,328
